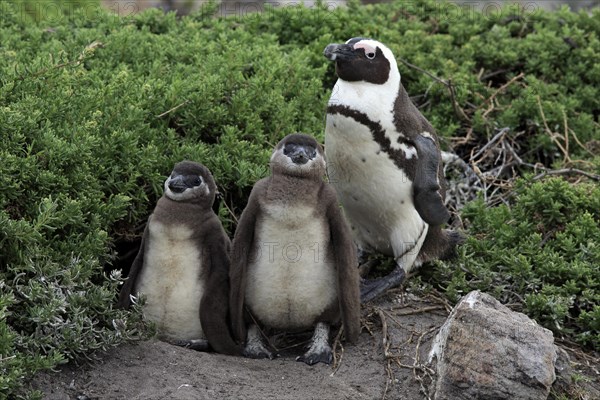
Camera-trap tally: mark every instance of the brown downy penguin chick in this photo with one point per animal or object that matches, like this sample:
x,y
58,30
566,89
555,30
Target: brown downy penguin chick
x,y
182,266
293,261
384,161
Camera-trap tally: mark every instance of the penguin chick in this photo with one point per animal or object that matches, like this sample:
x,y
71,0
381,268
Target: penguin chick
x,y
182,266
384,161
293,260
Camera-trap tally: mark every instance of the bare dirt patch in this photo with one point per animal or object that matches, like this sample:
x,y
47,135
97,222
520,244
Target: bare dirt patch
x,y
388,362
371,369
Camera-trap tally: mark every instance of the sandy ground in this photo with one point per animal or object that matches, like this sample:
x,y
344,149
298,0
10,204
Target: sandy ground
x,y
157,370
372,369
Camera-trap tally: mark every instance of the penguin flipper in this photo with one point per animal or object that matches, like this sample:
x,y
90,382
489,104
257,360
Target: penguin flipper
x,y
136,267
347,272
242,246
214,306
428,195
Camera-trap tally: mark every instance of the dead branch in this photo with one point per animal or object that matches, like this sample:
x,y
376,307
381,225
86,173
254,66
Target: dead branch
x,y
384,334
497,137
417,365
418,311
490,100
448,83
564,147
566,171
173,109
229,210
337,360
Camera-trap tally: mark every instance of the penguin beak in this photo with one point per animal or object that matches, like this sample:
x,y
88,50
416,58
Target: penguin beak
x,y
300,156
334,52
177,184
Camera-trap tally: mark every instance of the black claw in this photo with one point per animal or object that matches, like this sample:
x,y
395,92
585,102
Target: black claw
x,y
369,290
325,357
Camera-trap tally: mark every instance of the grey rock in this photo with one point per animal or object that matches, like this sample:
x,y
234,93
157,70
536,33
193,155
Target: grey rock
x,y
486,351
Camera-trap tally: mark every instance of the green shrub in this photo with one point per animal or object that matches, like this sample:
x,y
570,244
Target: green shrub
x,y
541,254
95,110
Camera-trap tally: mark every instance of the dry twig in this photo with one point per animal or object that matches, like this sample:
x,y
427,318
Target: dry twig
x,y
564,146
229,210
448,83
337,360
566,171
173,109
490,100
384,334
419,310
386,346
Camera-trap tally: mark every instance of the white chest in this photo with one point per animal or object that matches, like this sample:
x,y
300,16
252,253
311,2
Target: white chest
x,y
292,279
170,280
375,193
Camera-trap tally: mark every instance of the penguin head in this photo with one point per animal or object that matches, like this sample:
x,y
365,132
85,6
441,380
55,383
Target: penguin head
x,y
363,60
190,182
298,155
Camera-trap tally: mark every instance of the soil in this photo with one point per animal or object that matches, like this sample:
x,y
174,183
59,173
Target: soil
x,y
373,368
157,370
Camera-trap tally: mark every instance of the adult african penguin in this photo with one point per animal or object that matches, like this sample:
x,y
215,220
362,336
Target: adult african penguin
x,y
293,263
384,161
182,266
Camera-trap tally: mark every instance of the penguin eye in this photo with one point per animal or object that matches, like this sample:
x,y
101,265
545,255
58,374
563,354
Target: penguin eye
x,y
370,55
197,181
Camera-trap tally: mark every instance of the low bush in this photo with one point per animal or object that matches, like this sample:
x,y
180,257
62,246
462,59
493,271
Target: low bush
x,y
541,255
95,109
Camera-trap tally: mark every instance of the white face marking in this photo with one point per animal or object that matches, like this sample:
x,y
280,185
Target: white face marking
x,y
188,193
369,47
292,278
170,281
427,135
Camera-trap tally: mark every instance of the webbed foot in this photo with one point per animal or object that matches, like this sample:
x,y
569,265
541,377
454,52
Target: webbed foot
x,y
370,289
310,358
255,348
320,350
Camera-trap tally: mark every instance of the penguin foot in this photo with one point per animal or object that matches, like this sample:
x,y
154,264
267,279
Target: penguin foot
x,y
194,344
320,350
372,289
257,352
311,358
255,347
